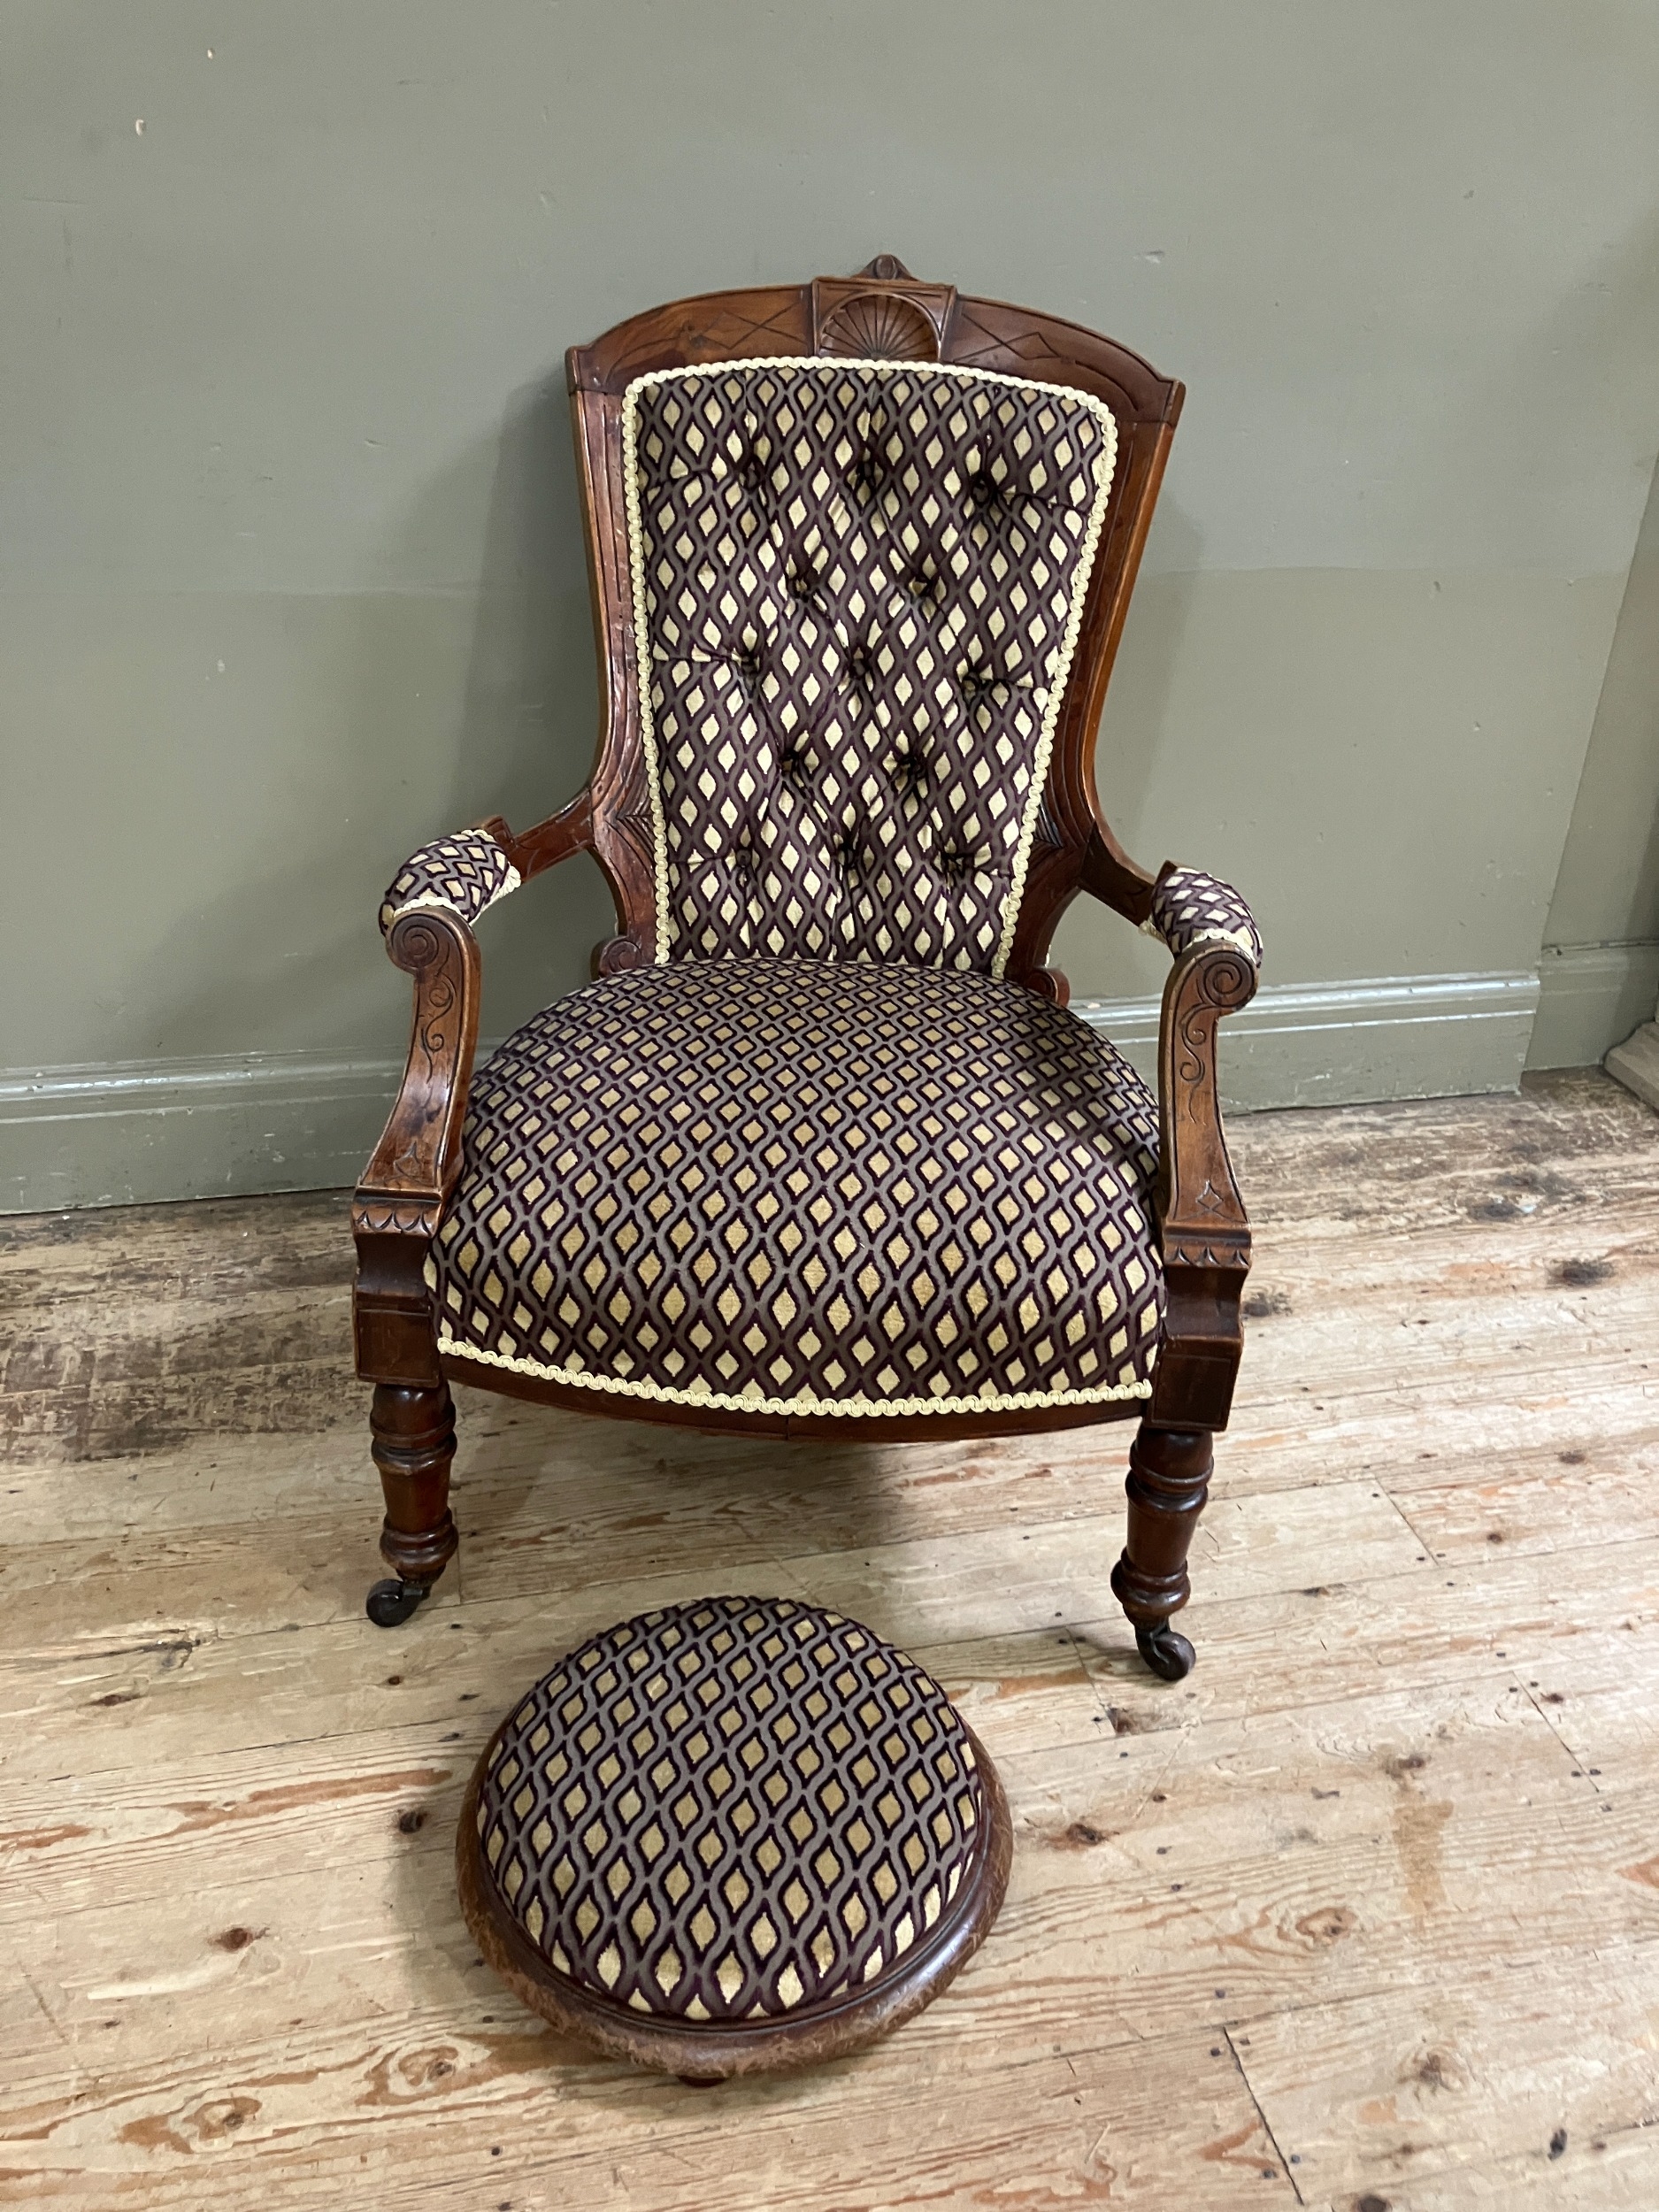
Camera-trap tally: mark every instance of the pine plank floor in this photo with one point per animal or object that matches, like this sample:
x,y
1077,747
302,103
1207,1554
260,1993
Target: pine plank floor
x,y
1364,1916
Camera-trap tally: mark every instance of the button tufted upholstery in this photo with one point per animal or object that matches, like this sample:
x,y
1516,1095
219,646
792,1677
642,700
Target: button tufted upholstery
x,y
1189,907
858,589
466,872
807,1186
730,1810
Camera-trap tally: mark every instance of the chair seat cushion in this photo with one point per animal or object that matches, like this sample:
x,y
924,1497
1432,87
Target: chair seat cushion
x,y
727,1813
811,1188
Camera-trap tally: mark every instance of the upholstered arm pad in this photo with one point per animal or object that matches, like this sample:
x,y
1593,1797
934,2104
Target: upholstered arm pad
x,y
466,872
1189,907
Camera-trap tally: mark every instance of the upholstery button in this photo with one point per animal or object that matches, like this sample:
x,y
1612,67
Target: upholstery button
x,y
971,683
749,666
800,584
919,586
984,489
858,665
753,472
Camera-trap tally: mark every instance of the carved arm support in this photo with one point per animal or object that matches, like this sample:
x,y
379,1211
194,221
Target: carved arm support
x,y
1109,875
1206,1233
569,831
426,916
395,1212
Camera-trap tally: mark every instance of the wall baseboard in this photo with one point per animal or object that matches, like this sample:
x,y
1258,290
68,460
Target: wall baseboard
x,y
1591,997
1636,1063
134,1132
150,1131
1351,1043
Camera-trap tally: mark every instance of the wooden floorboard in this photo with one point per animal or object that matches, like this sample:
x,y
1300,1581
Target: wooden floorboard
x,y
1364,1913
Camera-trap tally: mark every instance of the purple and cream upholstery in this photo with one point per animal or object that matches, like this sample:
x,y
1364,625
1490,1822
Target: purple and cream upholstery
x,y
466,872
807,1186
820,1157
1191,907
858,589
733,1811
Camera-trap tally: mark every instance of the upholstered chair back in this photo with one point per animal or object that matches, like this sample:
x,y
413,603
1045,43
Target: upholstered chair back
x,y
858,589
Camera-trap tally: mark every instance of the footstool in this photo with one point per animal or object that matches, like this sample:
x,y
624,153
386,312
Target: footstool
x,y
731,1836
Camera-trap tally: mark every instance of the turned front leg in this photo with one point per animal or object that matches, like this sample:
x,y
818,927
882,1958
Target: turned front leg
x,y
413,1433
1168,1481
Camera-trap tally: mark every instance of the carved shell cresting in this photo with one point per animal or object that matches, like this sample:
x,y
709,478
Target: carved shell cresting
x,y
880,326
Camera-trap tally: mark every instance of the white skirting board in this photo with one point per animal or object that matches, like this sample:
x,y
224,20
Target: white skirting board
x,y
156,1130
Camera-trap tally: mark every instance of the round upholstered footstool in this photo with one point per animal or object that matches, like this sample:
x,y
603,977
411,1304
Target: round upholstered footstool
x,y
735,1835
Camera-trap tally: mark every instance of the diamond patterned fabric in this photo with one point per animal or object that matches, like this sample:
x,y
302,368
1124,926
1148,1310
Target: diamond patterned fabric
x,y
858,588
732,1809
1188,906
808,1187
468,872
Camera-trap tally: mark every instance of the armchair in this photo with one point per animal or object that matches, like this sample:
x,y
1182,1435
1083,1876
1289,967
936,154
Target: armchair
x,y
821,1143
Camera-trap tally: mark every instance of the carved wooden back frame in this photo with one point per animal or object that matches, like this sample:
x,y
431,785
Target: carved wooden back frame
x,y
883,307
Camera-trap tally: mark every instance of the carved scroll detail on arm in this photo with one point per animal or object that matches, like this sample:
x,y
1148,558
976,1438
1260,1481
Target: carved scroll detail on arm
x,y
1205,1234
397,1207
1197,1196
419,1157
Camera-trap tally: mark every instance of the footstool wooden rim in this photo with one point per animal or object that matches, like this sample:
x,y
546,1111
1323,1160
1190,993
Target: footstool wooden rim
x,y
713,2052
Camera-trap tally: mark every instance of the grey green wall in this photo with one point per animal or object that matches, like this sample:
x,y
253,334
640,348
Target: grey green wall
x,y
1600,961
289,569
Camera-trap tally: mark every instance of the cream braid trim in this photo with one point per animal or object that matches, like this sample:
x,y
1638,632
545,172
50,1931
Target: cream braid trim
x,y
854,1408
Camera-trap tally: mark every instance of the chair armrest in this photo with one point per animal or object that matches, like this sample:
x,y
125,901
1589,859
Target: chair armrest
x,y
1205,1230
415,1164
1109,875
466,874
1191,907
447,883
426,917
395,1209
569,831
1201,1222
476,868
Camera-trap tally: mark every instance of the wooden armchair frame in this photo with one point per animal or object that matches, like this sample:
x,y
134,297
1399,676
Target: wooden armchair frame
x,y
1201,1222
